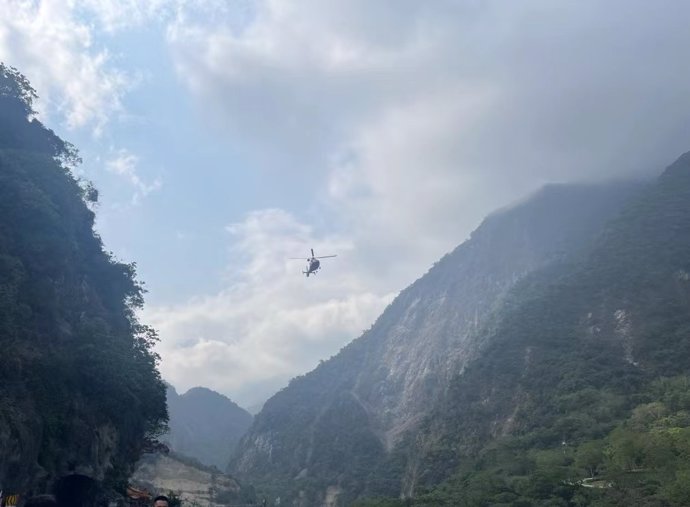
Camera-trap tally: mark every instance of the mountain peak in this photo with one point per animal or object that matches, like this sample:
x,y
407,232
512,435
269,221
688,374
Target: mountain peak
x,y
205,425
204,392
680,168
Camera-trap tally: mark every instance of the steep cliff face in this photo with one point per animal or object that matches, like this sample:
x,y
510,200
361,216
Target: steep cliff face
x,y
431,332
205,425
79,389
335,425
578,347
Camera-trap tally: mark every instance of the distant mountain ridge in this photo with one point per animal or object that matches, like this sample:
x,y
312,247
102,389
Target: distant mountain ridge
x,y
332,432
205,425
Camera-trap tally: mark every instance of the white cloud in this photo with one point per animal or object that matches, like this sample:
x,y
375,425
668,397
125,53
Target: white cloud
x,y
56,51
119,15
55,43
416,119
499,96
408,121
271,323
116,15
125,164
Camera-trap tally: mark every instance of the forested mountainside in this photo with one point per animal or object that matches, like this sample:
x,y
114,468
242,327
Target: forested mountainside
x,y
205,425
585,376
340,432
80,394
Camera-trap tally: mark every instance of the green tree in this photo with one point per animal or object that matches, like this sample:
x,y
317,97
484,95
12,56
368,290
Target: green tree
x,y
626,449
590,456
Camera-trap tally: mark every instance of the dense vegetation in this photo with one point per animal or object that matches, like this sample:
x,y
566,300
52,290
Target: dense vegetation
x,y
583,397
643,461
79,388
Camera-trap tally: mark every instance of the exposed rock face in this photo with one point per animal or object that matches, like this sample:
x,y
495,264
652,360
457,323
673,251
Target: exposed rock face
x,y
20,443
577,346
205,425
342,419
193,484
89,448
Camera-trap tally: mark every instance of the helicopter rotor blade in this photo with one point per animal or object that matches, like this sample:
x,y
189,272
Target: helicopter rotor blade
x,y
325,256
312,252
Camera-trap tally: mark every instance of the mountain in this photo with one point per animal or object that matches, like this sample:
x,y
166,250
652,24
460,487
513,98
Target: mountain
x,y
80,394
586,376
345,429
205,425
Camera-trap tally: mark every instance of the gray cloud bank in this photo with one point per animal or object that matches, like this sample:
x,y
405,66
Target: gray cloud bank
x,y
416,119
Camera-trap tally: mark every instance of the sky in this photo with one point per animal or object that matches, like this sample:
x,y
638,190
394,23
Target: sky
x,y
226,136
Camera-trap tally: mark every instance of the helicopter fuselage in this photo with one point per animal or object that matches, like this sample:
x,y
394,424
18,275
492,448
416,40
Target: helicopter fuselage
x,y
313,263
313,266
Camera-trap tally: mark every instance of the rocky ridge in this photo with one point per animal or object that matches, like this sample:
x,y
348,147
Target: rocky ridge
x,y
335,425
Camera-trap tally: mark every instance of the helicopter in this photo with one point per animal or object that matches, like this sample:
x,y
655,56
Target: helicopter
x,y
313,263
